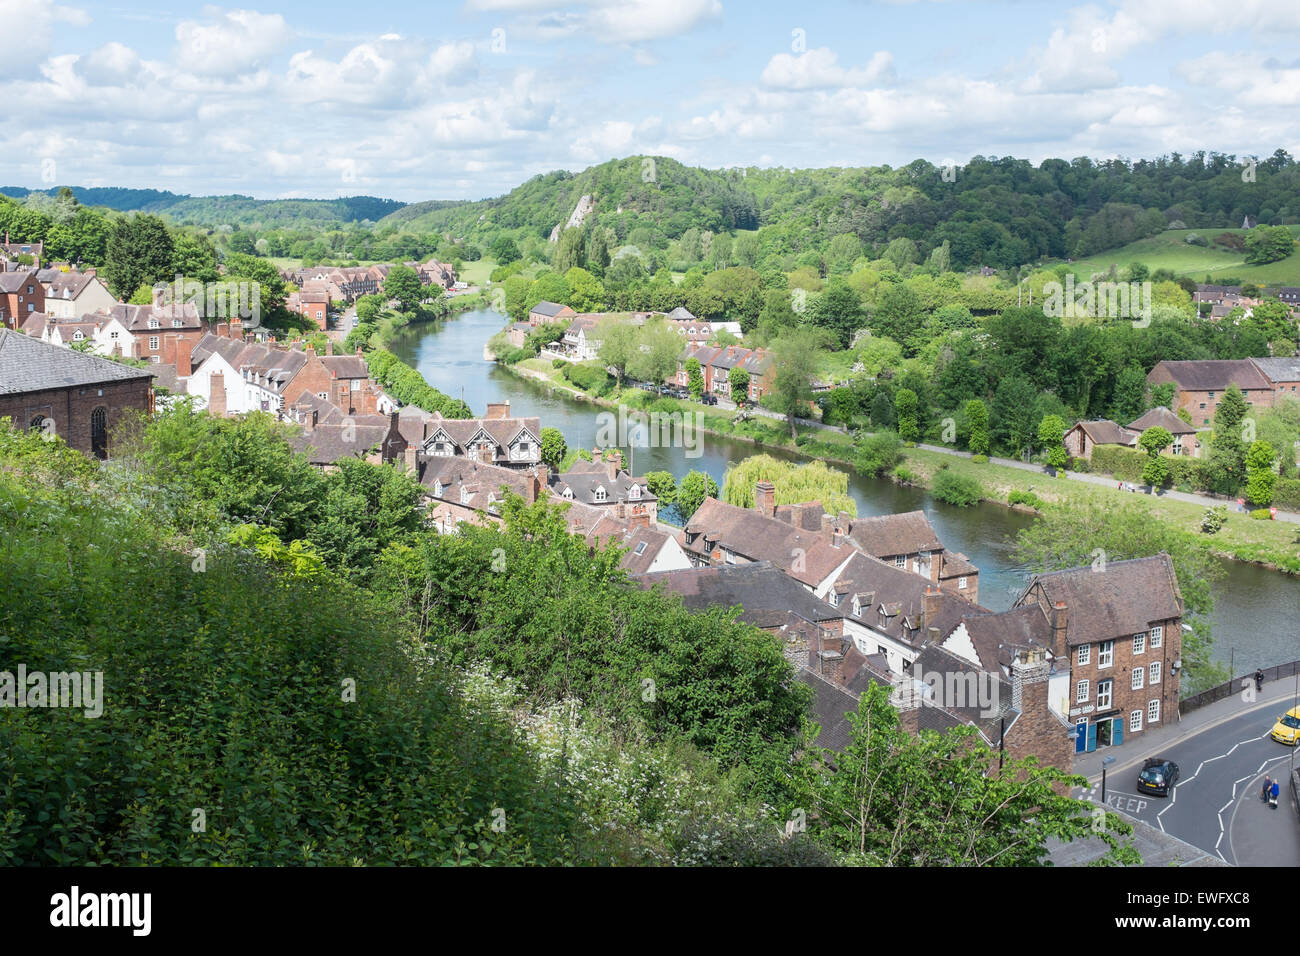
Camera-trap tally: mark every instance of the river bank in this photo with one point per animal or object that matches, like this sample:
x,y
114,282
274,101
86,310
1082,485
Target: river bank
x,y
1267,544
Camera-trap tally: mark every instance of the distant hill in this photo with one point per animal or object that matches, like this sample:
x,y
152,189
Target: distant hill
x,y
235,210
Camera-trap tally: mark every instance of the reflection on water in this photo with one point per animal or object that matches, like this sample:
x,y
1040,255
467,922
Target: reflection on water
x,y
1257,612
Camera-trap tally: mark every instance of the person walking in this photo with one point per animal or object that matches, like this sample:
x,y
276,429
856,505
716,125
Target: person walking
x,y
1273,794
1267,788
1259,679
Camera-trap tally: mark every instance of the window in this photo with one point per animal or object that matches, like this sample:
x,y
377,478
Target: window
x,y
600,494
176,323
323,396
640,548
1139,674
1081,692
1157,635
834,599
1134,720
78,335
153,343
961,584
1140,643
634,492
1105,653
153,323
1104,690
99,432
1085,654
112,335
1153,712
1211,394
900,560
1153,673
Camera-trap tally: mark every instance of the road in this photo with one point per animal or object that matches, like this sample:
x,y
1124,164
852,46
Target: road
x,y
1216,804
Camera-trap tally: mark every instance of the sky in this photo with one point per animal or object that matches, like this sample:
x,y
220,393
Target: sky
x,y
464,100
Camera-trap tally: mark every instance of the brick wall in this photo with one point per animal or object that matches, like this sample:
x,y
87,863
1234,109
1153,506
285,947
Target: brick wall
x,y
71,408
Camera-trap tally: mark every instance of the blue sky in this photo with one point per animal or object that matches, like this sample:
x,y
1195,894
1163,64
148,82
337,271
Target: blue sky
x,y
463,100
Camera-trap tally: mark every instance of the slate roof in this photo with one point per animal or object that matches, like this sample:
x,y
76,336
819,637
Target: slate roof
x,y
1105,432
484,481
14,281
547,308
136,317
68,285
955,564
30,365
1279,369
884,536
346,366
997,637
1212,374
902,594
829,710
1122,600
327,444
1161,417
583,484
462,430
759,538
769,597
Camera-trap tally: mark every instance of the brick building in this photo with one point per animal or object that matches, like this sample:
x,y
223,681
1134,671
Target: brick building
x,y
21,294
1199,385
76,396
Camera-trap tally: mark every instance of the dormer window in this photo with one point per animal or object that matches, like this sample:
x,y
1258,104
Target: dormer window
x,y
78,335
600,494
176,323
154,323
634,492
437,489
568,494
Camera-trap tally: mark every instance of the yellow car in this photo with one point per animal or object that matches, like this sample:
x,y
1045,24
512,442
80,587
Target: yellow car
x,y
1287,728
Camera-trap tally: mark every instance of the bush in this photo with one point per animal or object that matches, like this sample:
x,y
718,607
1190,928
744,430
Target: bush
x,y
1124,463
1018,497
980,459
558,363
1286,493
591,377
1081,465
1262,514
956,488
1214,519
878,453
904,475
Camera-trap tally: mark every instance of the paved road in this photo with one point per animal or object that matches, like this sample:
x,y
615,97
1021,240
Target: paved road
x,y
1223,756
1107,481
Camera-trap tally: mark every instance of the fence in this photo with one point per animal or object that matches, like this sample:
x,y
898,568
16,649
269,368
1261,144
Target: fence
x,y
1233,687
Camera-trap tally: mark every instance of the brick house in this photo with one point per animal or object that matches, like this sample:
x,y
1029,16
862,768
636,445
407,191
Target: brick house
x,y
1199,385
606,486
1282,373
908,541
150,325
1185,441
1118,630
1083,437
15,252
21,294
545,312
76,396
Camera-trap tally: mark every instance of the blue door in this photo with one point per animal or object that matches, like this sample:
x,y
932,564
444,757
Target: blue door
x,y
1117,731
1092,737
1080,736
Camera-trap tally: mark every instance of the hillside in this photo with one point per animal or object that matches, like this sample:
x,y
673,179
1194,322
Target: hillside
x,y
1170,250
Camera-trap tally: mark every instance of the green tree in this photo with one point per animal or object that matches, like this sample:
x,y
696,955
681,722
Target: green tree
x,y
694,378
738,384
658,346
794,483
694,488
899,316
877,453
1012,413
554,447
1051,434
403,284
795,361
1268,244
504,250
663,486
838,310
586,294
620,343
905,405
1155,470
1260,476
1225,469
140,252
977,420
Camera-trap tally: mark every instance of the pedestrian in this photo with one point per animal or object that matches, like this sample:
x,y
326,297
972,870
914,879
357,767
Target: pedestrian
x,y
1268,786
1259,679
1273,795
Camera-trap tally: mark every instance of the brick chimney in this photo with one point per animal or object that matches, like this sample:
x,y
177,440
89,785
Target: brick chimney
x,y
236,329
223,330
1059,619
217,394
497,410
541,481
613,461
930,605
620,510
765,498
329,346
412,460
184,357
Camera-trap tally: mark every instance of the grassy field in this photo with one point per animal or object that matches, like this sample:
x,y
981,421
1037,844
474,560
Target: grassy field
x,y
1169,250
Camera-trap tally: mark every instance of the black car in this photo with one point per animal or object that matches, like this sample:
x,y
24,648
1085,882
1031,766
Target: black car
x,y
1157,776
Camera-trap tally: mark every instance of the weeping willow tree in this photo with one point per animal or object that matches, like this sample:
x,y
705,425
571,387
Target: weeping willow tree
x,y
794,483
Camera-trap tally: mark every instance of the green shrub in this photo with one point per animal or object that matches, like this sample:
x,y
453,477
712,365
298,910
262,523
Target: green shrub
x,y
1286,493
1081,465
1213,520
956,488
1262,514
591,377
1018,497
980,459
1124,463
904,475
878,453
559,363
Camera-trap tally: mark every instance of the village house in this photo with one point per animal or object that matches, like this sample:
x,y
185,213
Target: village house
x,y
701,353
1199,384
59,391
1185,441
1282,373
754,361
20,256
908,541
1083,437
496,439
21,294
606,486
72,294
544,313
148,327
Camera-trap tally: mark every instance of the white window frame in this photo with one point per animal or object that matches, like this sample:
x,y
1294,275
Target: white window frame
x,y
1134,721
1153,711
1140,643
1105,653
1084,655
1138,678
961,584
1153,673
1105,693
900,561
153,343
1157,635
1082,692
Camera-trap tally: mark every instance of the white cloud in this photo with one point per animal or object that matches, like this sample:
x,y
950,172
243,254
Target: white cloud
x,y
820,69
608,21
234,42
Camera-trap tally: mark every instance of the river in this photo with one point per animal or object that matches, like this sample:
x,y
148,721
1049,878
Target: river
x,y
1256,615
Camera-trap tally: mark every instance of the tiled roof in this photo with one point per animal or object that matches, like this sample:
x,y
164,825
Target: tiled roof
x,y
583,485
808,556
327,444
548,308
1279,369
30,365
482,480
887,535
136,317
1124,598
346,366
1213,374
462,430
902,593
757,588
14,281
1161,417
1106,432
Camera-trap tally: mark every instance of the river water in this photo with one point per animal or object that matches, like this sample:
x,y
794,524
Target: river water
x,y
1256,615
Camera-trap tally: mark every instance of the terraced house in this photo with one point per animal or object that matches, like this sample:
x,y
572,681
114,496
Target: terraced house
x,y
496,439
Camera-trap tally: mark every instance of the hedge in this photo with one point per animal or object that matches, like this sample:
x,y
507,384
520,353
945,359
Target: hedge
x,y
591,377
1286,493
1126,465
409,387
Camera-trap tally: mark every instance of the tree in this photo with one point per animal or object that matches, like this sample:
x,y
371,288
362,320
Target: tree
x,y
694,379
794,483
1225,470
663,486
1268,244
905,404
1260,476
977,420
1051,435
619,344
1155,470
658,347
694,488
795,360
838,310
878,452
570,251
1012,413
586,294
140,252
899,316
403,284
504,250
554,447
738,384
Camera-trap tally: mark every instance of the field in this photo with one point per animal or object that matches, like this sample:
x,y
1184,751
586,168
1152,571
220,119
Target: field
x,y
1169,250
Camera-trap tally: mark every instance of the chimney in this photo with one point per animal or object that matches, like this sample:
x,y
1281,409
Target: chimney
x,y
412,460
620,510
930,605
358,351
236,329
612,463
639,521
765,498
497,410
329,346
217,394
311,353
223,330
1028,667
184,357
1059,619
315,417
541,481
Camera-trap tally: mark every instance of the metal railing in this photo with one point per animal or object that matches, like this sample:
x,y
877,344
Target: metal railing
x,y
1233,687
